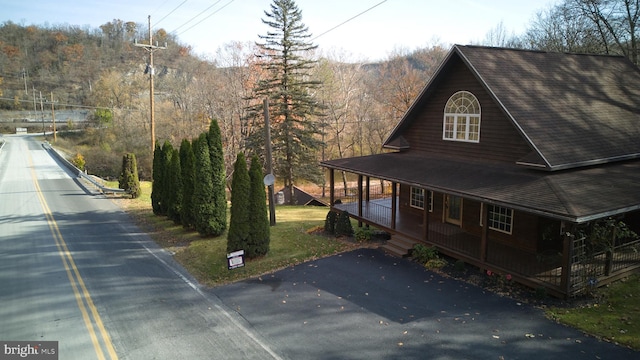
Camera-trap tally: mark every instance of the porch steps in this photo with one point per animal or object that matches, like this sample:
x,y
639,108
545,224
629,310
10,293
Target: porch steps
x,y
399,246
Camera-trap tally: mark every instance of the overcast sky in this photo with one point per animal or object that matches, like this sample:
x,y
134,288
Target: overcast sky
x,y
208,24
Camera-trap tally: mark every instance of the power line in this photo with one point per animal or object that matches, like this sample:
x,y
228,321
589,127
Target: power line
x,y
346,21
159,7
200,13
170,12
213,13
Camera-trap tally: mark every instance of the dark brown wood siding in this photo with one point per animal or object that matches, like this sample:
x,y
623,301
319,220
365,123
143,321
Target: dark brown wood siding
x,y
525,232
499,139
524,235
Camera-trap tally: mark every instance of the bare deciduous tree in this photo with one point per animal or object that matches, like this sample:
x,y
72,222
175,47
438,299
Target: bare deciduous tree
x,y
588,26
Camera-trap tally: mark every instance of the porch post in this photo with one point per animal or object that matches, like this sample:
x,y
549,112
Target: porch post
x,y
368,187
394,194
331,187
425,217
484,239
567,252
608,263
360,195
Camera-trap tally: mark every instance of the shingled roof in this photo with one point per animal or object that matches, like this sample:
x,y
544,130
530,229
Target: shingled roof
x,y
577,195
573,110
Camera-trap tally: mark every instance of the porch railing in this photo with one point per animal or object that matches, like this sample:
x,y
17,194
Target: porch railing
x,y
377,209
625,255
542,266
376,192
589,270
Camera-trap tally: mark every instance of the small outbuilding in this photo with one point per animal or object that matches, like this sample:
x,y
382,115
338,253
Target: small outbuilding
x,y
301,197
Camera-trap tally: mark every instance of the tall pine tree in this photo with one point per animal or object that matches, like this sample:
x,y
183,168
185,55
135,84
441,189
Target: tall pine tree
x,y
294,133
240,191
188,169
259,233
218,177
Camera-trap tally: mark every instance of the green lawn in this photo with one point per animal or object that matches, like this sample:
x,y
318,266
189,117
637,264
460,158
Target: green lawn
x,y
291,243
613,315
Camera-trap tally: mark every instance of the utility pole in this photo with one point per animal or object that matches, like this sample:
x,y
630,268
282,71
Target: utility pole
x,y
35,108
44,133
53,117
151,49
267,146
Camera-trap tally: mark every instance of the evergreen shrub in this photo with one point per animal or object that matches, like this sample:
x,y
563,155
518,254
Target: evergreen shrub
x,y
343,224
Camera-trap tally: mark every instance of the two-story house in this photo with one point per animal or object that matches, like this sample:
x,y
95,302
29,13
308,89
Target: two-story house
x,y
507,160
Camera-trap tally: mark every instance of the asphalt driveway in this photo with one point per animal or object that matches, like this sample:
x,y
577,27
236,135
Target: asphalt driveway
x,y
365,304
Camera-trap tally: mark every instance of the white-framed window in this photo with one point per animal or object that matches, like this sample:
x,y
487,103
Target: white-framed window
x,y
462,118
500,218
418,199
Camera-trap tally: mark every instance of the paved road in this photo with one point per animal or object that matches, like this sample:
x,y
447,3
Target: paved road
x,y
367,305
73,269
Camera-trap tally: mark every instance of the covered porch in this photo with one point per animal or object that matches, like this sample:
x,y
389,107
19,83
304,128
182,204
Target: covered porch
x,y
562,271
455,242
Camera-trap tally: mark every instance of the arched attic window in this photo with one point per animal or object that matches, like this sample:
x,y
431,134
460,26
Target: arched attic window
x,y
462,118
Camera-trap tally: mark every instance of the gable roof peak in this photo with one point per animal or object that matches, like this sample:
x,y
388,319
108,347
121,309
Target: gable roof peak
x,y
573,109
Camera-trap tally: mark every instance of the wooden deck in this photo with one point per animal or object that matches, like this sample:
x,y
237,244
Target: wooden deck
x,y
378,213
452,240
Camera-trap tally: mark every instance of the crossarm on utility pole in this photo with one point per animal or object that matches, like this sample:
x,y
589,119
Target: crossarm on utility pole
x,y
151,49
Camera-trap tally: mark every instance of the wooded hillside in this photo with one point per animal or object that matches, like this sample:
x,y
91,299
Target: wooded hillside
x,y
69,60
102,70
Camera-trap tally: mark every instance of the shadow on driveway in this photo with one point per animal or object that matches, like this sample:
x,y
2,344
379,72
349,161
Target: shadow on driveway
x,y
365,304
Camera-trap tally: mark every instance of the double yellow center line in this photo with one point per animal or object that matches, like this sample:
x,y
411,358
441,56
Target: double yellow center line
x,y
99,335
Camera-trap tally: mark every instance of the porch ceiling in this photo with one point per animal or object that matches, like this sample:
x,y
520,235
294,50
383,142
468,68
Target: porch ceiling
x,y
578,195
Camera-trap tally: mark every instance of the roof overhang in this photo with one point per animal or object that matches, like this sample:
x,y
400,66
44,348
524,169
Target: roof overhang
x,y
577,196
